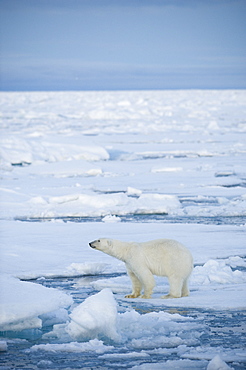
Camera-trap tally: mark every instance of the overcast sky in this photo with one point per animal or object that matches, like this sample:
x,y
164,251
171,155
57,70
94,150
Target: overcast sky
x,y
122,44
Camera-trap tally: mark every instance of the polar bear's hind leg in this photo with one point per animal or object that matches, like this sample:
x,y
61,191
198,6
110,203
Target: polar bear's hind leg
x,y
185,289
176,285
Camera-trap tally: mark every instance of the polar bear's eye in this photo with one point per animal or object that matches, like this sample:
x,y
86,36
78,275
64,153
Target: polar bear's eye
x,y
99,241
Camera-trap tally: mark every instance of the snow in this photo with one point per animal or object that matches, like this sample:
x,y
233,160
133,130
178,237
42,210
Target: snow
x,y
133,166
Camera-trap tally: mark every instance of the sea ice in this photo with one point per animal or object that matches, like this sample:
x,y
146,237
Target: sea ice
x,y
172,365
19,150
218,356
23,302
93,345
80,269
217,272
44,364
217,364
111,218
3,346
146,159
94,318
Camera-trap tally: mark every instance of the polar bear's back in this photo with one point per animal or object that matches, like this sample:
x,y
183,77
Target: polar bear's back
x,y
164,246
166,255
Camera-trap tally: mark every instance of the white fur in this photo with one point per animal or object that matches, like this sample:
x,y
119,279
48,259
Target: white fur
x,y
162,257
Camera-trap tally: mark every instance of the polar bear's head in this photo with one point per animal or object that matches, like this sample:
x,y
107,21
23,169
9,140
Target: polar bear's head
x,y
103,245
113,247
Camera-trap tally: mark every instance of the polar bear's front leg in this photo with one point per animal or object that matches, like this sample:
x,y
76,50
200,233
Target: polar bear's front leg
x,y
149,284
136,285
147,280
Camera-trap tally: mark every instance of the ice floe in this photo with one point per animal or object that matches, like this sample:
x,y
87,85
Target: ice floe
x,y
22,303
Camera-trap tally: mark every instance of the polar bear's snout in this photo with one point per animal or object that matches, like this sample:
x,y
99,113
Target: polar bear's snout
x,y
92,244
96,244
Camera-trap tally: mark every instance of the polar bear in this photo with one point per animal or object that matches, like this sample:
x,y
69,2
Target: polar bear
x,y
162,257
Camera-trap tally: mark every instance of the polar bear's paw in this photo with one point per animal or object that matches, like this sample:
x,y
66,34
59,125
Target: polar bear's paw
x,y
145,296
132,295
170,296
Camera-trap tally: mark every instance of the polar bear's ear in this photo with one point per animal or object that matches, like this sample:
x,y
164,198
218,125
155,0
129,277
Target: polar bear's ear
x,y
110,243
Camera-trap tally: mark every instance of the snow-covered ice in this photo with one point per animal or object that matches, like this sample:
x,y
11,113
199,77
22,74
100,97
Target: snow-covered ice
x,y
138,166
94,317
23,303
93,345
